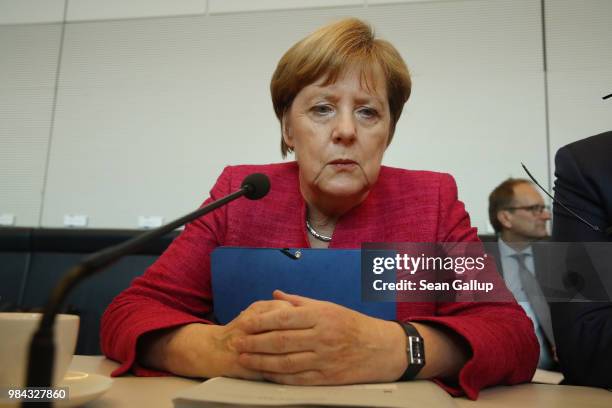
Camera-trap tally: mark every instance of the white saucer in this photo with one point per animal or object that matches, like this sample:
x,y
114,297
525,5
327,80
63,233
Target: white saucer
x,y
84,387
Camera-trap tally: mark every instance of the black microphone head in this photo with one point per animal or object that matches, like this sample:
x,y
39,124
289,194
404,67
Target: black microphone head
x,y
256,185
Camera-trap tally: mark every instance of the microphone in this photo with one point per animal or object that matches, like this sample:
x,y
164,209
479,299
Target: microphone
x,y
256,185
42,347
607,231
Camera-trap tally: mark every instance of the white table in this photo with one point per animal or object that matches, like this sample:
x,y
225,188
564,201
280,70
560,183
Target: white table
x,y
154,392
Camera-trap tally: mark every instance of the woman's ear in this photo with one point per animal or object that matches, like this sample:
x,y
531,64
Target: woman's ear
x,y
286,129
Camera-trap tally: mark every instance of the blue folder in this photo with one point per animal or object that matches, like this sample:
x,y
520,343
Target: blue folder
x,y
241,276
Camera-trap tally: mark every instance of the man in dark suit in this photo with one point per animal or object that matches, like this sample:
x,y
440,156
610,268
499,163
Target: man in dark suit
x,y
519,216
583,330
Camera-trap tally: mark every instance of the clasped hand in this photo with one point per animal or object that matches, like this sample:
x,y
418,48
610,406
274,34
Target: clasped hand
x,y
298,340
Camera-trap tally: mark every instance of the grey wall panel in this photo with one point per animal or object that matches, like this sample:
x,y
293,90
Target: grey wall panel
x,y
239,6
27,81
84,10
31,11
579,38
378,2
477,109
150,111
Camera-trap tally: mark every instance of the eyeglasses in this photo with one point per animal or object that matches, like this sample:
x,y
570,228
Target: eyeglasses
x,y
535,209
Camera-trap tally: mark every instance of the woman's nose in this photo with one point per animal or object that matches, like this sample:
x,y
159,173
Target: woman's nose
x,y
344,130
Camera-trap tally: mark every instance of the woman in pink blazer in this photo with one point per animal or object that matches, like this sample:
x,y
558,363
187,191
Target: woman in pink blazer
x,y
338,95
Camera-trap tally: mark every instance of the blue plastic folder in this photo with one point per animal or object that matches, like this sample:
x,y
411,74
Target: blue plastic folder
x,y
241,276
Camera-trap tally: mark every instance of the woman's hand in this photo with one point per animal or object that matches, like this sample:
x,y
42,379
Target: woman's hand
x,y
318,342
204,350
223,338
297,340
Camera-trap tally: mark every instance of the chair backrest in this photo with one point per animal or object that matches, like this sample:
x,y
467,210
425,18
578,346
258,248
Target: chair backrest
x,y
32,261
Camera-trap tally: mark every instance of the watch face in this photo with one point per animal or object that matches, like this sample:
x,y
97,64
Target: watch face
x,y
416,350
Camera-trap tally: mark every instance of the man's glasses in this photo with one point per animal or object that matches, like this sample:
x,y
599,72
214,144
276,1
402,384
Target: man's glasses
x,y
535,209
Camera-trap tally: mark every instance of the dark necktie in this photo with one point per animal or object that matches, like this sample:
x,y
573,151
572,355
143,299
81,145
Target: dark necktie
x,y
535,296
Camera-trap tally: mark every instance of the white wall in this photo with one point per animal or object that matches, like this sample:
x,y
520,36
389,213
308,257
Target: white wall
x,y
579,51
27,85
134,108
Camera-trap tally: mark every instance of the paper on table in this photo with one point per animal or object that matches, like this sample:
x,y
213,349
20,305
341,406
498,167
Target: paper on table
x,y
547,377
243,393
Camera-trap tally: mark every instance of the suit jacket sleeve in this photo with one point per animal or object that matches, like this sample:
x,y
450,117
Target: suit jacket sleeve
x,y
174,291
503,350
579,192
583,331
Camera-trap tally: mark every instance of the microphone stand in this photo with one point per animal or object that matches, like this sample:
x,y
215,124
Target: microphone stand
x,y
42,347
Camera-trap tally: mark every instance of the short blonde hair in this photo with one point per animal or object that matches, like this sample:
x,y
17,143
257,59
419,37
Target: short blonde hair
x,y
329,52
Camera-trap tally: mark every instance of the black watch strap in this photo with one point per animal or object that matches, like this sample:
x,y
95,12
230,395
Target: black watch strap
x,y
415,349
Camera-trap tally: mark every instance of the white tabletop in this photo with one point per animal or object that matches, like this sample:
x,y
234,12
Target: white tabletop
x,y
154,392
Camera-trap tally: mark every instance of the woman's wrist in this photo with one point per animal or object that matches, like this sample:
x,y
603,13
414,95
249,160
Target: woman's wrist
x,y
415,351
181,350
194,350
447,352
187,351
150,349
393,352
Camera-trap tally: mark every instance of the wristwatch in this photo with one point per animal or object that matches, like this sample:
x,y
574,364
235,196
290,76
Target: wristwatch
x,y
415,348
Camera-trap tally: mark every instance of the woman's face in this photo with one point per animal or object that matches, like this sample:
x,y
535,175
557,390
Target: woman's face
x,y
339,133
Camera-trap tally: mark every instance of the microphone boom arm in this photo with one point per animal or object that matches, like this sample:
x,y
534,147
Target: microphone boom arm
x,y
42,348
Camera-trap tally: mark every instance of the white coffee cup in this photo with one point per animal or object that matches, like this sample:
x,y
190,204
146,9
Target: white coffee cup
x,y
16,330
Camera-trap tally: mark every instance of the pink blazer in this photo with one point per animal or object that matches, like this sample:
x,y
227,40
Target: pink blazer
x,y
403,206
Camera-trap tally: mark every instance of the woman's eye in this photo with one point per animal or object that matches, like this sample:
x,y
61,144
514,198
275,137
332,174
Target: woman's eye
x,y
368,113
321,109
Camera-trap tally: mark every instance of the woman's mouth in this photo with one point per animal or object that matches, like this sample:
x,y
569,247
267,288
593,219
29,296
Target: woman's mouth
x,y
343,164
